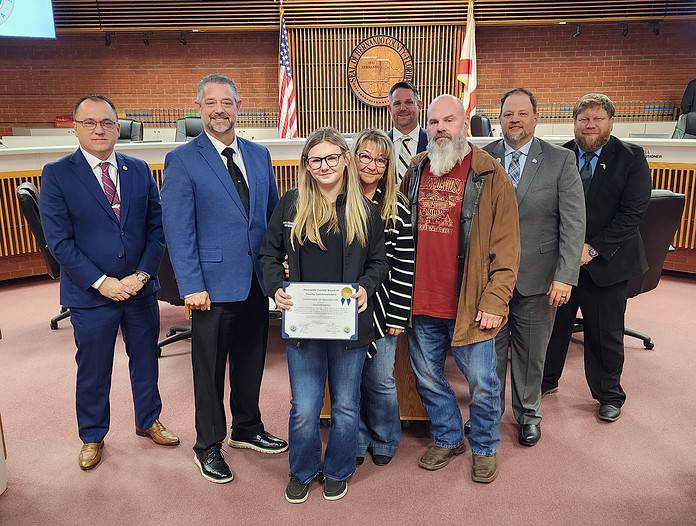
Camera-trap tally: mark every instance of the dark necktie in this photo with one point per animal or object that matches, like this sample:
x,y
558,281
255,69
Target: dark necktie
x,y
237,177
110,190
586,172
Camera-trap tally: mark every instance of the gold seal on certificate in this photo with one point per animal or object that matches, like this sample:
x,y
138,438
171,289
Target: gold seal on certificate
x,y
321,311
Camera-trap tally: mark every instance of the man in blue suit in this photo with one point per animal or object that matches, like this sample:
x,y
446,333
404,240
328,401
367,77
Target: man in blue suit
x,y
407,135
102,220
219,191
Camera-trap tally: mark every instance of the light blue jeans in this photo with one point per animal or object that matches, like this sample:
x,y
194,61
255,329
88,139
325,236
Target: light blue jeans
x,y
428,341
380,424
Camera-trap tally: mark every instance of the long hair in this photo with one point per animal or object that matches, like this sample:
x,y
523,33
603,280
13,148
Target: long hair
x,y
313,210
387,184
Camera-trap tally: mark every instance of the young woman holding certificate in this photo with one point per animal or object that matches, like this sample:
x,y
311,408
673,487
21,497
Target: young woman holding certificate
x,y
380,424
331,234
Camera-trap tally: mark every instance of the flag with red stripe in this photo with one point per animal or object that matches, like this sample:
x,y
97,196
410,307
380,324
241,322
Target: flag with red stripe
x,y
466,72
287,109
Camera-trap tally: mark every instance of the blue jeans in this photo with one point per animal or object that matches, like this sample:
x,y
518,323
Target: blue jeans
x,y
380,424
308,365
428,343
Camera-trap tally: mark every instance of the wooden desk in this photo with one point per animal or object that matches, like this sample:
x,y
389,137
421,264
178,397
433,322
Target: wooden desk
x,y
410,406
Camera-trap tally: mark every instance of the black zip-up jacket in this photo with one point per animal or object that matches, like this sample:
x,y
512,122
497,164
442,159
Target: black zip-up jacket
x,y
366,265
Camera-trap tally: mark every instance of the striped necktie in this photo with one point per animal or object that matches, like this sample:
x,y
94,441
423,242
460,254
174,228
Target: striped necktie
x,y
110,190
404,158
514,168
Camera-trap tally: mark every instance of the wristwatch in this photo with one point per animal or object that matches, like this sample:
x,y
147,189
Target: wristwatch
x,y
592,252
142,276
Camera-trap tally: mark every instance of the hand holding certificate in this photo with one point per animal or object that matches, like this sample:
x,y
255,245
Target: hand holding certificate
x,y
322,311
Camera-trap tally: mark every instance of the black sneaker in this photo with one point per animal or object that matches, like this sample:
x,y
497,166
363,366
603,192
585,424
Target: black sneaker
x,y
213,467
335,489
296,492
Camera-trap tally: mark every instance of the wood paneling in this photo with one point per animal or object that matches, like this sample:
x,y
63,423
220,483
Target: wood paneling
x,y
320,57
680,178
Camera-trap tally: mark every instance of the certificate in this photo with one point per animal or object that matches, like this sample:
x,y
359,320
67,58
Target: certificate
x,y
321,311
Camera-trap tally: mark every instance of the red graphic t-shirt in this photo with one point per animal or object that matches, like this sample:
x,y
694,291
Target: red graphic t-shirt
x,y
439,209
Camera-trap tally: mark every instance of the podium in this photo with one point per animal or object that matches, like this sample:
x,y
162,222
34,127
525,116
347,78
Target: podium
x,y
410,405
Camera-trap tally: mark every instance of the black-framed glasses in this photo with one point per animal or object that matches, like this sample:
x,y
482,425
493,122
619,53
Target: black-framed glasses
x,y
106,124
365,159
331,161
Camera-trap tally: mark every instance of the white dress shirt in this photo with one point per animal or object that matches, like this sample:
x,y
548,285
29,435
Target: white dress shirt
x,y
238,159
397,136
523,158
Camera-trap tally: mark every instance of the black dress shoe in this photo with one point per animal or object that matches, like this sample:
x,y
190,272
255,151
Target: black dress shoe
x,y
263,442
608,412
467,427
213,467
359,461
529,434
381,460
546,391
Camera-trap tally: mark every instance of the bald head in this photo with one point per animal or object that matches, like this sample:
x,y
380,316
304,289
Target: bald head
x,y
446,118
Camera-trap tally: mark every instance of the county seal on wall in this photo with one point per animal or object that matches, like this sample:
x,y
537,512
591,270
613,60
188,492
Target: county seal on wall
x,y
375,65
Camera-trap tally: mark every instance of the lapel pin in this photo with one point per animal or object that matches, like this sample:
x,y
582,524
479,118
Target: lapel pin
x,y
604,166
498,159
534,160
124,167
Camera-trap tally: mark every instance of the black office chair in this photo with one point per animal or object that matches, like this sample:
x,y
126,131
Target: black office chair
x,y
130,130
29,205
686,126
188,128
169,292
481,126
657,229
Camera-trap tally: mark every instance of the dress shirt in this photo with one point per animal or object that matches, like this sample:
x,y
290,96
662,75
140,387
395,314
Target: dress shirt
x,y
593,162
238,159
94,164
397,136
524,152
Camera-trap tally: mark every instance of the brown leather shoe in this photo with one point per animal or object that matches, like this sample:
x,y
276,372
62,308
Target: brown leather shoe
x,y
485,469
159,434
438,457
90,454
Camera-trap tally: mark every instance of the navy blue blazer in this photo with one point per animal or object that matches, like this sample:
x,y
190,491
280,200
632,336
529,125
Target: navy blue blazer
x,y
422,140
84,235
213,244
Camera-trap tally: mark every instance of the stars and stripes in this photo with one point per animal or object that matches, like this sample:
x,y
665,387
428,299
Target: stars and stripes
x,y
466,72
287,110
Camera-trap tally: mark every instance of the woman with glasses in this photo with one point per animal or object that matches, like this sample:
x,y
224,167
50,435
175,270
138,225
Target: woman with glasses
x,y
380,424
330,234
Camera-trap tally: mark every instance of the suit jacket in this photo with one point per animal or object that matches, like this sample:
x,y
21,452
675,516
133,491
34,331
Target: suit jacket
x,y
84,235
422,140
213,243
552,216
616,201
688,102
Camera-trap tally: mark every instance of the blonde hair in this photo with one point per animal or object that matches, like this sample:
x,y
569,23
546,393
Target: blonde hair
x,y
313,210
387,205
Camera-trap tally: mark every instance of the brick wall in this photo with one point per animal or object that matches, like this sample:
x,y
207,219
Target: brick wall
x,y
43,78
22,266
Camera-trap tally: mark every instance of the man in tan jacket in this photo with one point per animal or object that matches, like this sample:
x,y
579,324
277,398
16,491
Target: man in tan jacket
x,y
466,228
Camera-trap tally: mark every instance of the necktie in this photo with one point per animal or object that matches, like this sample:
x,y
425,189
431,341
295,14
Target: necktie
x,y
237,177
404,158
586,172
110,190
514,168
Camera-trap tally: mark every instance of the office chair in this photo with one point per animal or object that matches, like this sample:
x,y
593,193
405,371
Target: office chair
x,y
188,128
481,126
130,130
686,126
29,205
657,229
169,292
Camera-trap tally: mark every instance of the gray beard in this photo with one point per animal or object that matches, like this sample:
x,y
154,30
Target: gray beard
x,y
444,156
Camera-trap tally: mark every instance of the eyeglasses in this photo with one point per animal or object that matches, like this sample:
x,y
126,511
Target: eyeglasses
x,y
106,124
365,159
331,161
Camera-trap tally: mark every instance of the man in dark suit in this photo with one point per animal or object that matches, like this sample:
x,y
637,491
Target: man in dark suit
x,y
688,102
101,216
616,179
219,192
408,137
552,230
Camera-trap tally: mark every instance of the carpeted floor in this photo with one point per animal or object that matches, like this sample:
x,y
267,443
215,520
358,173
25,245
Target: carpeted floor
x,y
638,470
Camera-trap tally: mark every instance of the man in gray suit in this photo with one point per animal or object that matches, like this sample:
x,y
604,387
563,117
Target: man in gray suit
x,y
552,231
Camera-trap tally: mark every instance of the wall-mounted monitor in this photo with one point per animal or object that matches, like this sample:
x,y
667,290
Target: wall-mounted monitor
x,y
27,18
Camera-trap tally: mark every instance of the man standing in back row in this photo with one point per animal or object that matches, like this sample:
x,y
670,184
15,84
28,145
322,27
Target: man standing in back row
x,y
616,180
552,228
218,193
408,137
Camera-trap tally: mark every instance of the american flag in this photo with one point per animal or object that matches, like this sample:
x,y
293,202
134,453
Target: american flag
x,y
466,71
287,110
